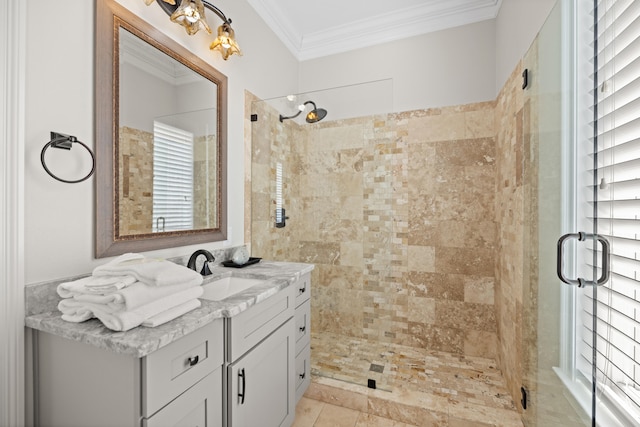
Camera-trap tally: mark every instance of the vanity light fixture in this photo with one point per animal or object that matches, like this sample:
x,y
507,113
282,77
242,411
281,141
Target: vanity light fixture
x,y
190,14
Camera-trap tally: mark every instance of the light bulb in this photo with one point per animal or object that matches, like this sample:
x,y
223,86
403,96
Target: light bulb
x,y
191,14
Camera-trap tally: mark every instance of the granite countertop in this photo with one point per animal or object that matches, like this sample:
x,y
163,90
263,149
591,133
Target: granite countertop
x,y
43,315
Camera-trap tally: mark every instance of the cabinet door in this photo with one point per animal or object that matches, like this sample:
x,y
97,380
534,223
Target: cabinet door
x,y
261,384
200,406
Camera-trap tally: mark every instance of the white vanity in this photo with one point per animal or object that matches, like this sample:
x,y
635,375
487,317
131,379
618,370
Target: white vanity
x,y
241,361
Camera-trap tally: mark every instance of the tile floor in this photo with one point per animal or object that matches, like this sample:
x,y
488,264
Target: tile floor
x,y
414,387
313,413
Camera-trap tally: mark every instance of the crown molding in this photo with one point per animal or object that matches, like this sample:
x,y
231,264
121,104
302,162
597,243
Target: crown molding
x,y
396,25
279,23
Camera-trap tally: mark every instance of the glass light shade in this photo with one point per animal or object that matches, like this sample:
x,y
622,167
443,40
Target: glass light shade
x,y
225,42
190,14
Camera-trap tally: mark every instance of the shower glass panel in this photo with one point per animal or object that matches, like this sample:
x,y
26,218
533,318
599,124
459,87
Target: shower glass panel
x,y
580,343
322,193
549,211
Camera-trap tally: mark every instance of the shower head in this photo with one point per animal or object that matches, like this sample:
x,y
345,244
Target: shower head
x,y
313,116
316,114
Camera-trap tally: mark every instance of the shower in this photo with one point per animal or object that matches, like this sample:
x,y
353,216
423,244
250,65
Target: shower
x,y
313,116
381,319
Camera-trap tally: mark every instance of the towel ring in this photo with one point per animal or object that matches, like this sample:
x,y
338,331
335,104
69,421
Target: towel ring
x,y
60,140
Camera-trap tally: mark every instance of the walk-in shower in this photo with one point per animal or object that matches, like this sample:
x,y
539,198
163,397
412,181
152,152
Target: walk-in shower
x,y
433,234
395,211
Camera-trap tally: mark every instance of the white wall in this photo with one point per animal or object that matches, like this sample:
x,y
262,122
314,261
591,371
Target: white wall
x,y
517,25
449,67
59,218
456,66
143,97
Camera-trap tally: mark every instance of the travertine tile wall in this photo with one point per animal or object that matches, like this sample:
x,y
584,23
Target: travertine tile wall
x,y
135,157
451,242
205,186
397,214
509,190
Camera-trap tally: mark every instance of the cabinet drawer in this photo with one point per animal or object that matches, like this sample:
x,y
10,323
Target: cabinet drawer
x,y
303,372
170,371
253,325
201,405
303,325
303,289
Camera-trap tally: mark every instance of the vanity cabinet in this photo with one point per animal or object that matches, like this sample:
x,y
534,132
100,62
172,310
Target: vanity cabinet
x,y
76,384
260,363
303,337
246,370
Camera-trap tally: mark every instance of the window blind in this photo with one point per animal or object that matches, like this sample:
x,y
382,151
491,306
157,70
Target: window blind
x,y
615,206
172,178
279,193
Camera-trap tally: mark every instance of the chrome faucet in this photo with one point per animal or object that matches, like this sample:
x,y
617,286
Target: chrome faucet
x,y
205,267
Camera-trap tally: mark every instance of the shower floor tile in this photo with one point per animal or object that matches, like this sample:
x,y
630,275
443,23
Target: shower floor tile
x,y
455,382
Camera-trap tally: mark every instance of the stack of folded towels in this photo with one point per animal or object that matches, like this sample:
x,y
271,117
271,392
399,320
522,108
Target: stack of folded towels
x,y
131,291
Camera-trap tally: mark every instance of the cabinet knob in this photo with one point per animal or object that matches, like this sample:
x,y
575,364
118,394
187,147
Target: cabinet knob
x,y
193,360
303,328
302,375
303,289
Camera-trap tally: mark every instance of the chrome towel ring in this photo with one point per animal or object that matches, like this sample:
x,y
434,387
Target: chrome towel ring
x,y
60,140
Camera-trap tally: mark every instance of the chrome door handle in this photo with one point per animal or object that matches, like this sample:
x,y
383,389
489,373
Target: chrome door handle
x,y
582,236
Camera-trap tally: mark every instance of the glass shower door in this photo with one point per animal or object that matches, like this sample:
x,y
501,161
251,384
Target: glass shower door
x,y
582,369
549,396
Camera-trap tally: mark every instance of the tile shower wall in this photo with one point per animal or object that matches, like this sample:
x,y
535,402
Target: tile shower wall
x,y
511,121
136,180
396,212
205,188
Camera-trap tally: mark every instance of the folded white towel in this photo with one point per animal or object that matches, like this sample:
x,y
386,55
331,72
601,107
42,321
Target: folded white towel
x,y
94,285
132,296
118,320
171,314
77,311
153,272
74,312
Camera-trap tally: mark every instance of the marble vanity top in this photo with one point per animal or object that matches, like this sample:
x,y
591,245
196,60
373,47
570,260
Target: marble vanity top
x,y
42,313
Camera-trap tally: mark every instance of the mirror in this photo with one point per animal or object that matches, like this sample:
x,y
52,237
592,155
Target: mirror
x,y
160,139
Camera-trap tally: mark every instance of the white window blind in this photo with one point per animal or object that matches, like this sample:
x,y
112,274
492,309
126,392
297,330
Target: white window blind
x,y
279,216
616,207
172,178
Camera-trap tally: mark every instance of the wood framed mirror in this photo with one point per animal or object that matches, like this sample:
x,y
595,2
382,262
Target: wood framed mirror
x,y
161,117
